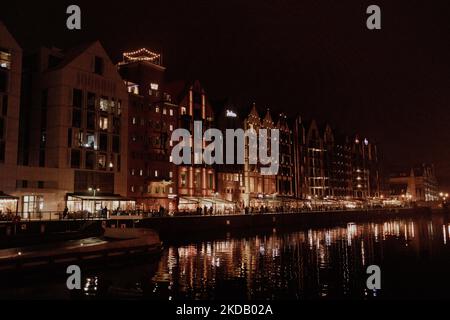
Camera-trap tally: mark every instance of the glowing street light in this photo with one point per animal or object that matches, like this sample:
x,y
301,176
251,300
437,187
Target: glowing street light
x,y
94,190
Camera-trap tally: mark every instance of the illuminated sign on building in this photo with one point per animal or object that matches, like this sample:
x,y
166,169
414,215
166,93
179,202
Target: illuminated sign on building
x,y
231,114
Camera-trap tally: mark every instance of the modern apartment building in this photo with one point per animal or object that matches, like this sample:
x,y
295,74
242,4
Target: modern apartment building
x,y
10,82
73,132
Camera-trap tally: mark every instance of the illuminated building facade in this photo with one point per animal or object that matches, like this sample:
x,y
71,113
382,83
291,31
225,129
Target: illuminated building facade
x,y
152,117
331,165
285,178
196,182
230,177
418,184
73,132
260,190
365,169
10,82
317,178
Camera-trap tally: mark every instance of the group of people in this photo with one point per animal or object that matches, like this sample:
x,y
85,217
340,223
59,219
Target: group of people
x,y
103,213
9,216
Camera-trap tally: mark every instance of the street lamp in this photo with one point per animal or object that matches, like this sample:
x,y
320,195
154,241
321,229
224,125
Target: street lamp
x,y
94,190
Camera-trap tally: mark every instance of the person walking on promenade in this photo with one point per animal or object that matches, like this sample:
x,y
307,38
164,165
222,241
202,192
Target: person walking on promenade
x,y
65,212
105,212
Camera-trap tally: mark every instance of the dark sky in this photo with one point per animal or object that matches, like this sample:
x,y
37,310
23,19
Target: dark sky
x,y
314,57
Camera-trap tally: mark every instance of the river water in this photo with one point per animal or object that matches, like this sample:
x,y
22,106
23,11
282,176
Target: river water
x,y
319,263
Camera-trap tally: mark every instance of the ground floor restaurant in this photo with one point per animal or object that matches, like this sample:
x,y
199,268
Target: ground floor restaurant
x,y
154,204
9,205
212,205
81,205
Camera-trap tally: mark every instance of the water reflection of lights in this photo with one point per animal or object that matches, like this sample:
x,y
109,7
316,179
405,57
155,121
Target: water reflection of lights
x,y
262,250
263,263
444,233
91,286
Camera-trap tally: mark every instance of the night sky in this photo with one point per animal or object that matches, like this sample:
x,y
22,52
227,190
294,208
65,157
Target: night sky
x,y
316,58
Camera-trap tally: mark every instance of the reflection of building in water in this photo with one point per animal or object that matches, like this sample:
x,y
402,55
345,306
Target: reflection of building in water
x,y
310,263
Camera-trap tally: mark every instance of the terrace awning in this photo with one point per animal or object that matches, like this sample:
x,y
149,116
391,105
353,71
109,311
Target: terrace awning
x,y
4,196
197,200
113,197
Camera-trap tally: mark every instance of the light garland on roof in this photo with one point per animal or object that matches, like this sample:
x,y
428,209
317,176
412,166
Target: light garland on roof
x,y
141,55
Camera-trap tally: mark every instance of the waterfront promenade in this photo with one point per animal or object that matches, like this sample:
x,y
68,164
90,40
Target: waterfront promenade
x,y
178,227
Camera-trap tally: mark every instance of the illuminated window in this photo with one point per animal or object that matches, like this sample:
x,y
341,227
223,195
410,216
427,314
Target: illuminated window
x,y
183,111
171,112
154,86
133,88
102,161
141,172
132,188
112,105
170,174
119,107
5,59
104,103
164,111
134,120
156,173
171,190
32,204
133,172
157,109
103,123
90,140
171,127
183,179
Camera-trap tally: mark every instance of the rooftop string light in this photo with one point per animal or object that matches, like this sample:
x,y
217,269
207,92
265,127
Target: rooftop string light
x,y
142,55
